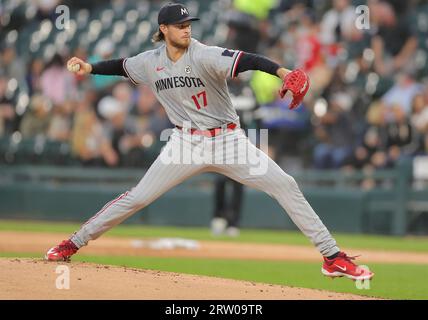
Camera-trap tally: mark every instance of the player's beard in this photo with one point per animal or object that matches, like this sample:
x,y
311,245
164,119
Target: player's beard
x,y
178,45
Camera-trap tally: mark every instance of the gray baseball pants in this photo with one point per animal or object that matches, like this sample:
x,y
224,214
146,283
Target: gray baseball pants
x,y
230,153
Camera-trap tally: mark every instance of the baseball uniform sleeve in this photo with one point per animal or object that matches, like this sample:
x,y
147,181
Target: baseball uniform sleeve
x,y
136,68
220,61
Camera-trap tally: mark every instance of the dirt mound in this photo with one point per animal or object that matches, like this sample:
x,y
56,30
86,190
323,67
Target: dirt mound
x,y
38,279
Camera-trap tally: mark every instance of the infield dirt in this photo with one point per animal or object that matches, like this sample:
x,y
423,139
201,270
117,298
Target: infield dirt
x,y
36,278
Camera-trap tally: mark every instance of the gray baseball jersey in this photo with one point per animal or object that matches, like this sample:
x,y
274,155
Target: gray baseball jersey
x,y
193,88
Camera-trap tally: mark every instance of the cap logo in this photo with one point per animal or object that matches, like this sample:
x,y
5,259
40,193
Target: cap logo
x,y
184,11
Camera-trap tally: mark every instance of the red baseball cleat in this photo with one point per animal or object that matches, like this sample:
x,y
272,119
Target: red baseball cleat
x,y
342,266
61,252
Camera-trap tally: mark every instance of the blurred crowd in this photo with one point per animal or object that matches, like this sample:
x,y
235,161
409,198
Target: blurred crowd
x,y
367,107
105,120
368,103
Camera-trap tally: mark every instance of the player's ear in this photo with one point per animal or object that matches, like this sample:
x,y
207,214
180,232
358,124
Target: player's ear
x,y
163,28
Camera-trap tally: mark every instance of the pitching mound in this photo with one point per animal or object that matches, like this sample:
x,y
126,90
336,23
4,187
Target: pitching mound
x,y
37,279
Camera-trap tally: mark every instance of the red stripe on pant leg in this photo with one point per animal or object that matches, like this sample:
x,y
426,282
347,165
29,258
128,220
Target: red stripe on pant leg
x,y
106,207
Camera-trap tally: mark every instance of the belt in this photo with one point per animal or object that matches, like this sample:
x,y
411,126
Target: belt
x,y
210,132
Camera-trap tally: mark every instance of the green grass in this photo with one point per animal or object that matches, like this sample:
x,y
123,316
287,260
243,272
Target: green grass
x,y
391,281
387,243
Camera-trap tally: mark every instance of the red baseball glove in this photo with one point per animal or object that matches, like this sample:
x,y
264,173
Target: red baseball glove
x,y
297,82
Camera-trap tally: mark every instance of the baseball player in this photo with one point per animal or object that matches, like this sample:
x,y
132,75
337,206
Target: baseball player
x,y
189,80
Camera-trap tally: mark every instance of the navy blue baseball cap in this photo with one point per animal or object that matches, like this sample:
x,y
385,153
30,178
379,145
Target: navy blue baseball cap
x,y
173,13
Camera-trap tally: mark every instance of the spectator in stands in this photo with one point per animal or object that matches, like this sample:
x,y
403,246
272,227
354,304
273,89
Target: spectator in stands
x,y
338,23
372,154
158,122
58,84
34,75
123,93
287,128
394,43
389,137
310,55
248,23
419,117
145,108
89,143
402,93
46,9
146,101
12,66
36,121
61,121
307,42
359,158
120,129
399,131
400,136
419,121
368,157
363,153
7,111
289,11
335,135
